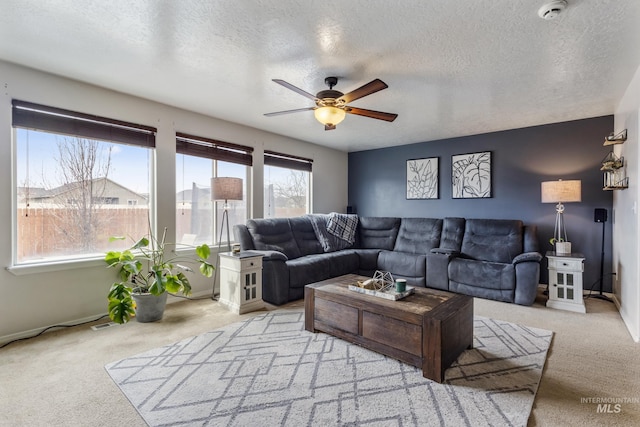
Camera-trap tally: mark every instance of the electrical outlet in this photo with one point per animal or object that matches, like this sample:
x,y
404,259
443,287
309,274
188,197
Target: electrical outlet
x,y
103,326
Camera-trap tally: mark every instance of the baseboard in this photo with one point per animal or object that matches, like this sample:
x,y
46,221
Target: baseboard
x,y
631,328
33,332
194,295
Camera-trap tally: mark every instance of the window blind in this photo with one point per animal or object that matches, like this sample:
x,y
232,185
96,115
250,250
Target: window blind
x,y
28,115
213,149
288,161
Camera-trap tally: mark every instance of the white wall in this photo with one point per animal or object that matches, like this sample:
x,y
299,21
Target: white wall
x,y
626,249
32,301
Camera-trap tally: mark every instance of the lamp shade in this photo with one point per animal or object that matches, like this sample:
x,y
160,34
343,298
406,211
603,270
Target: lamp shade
x,y
226,188
329,115
561,191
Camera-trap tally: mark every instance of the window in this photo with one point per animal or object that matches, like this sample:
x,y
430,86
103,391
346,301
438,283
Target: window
x,y
286,185
198,160
106,200
72,172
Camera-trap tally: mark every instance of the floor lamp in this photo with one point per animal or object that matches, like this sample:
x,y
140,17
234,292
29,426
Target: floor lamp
x,y
224,188
600,215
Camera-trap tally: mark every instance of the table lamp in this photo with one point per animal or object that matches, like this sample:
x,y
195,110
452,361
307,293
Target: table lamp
x,y
561,192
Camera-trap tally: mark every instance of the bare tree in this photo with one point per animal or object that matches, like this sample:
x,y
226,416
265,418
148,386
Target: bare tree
x,y
293,192
83,166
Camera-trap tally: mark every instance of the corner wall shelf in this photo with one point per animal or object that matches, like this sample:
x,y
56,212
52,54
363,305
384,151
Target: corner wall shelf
x,y
613,166
618,138
612,162
616,187
613,142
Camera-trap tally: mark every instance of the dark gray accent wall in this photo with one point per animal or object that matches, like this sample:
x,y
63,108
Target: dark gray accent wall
x,y
521,160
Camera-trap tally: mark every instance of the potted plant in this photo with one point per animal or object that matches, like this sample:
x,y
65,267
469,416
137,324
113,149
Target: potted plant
x,y
147,273
561,247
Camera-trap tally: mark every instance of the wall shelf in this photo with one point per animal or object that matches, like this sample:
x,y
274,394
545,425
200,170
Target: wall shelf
x,y
612,162
611,188
606,143
614,139
614,176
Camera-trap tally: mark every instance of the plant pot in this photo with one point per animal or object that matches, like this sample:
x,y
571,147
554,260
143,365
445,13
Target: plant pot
x,y
563,248
149,307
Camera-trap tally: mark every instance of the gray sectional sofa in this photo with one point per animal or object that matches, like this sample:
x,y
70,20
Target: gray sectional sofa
x,y
487,258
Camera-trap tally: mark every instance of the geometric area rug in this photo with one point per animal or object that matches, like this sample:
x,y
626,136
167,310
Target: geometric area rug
x,y
269,371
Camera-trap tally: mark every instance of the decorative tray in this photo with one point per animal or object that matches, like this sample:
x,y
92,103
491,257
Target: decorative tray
x,y
390,294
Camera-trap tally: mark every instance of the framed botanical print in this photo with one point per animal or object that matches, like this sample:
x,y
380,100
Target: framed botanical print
x,y
471,175
422,178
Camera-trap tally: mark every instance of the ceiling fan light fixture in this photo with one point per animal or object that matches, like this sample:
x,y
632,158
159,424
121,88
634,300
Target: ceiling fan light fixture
x,y
331,105
329,115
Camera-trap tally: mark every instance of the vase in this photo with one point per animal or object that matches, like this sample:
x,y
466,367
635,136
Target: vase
x,y
149,307
563,248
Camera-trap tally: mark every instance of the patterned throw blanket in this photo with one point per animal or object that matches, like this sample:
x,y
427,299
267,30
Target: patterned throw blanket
x,y
343,226
343,230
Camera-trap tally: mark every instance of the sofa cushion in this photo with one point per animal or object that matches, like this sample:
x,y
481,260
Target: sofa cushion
x,y
495,240
317,267
273,234
305,235
482,279
377,233
404,265
418,235
452,233
368,261
504,295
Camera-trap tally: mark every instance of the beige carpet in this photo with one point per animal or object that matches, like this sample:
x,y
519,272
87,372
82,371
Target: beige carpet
x,y
58,379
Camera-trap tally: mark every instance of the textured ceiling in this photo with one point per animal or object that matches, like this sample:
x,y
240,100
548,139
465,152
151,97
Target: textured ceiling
x,y
454,68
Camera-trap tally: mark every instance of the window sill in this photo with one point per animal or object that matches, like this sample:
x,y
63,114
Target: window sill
x,y
61,265
46,267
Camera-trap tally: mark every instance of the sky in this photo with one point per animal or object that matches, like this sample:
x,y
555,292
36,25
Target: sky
x,y
37,162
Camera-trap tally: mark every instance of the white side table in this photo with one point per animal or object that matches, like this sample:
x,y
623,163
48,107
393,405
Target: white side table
x,y
565,281
241,281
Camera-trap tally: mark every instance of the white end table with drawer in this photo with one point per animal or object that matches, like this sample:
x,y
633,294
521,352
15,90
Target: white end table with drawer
x,y
241,281
565,281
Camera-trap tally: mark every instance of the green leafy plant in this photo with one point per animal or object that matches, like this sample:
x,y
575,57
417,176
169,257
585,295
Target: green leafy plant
x,y
146,268
555,240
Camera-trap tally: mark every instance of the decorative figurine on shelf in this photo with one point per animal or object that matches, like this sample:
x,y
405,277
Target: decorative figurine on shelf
x,y
381,281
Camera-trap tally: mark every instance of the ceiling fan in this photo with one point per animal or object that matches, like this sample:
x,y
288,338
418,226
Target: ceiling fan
x,y
331,105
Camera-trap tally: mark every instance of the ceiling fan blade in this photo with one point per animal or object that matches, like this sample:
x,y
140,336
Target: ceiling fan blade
x,y
389,117
329,127
371,87
295,89
278,113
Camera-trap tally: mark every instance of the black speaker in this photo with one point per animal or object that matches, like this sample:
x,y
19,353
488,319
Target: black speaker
x,y
600,215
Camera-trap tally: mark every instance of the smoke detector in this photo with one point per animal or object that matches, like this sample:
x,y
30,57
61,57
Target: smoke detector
x,y
552,10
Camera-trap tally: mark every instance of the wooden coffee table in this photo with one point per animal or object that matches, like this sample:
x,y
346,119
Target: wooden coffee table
x,y
428,329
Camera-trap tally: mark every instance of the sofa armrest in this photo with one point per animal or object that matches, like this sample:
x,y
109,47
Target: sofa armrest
x,y
438,268
527,280
275,277
527,267
272,255
445,251
527,257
